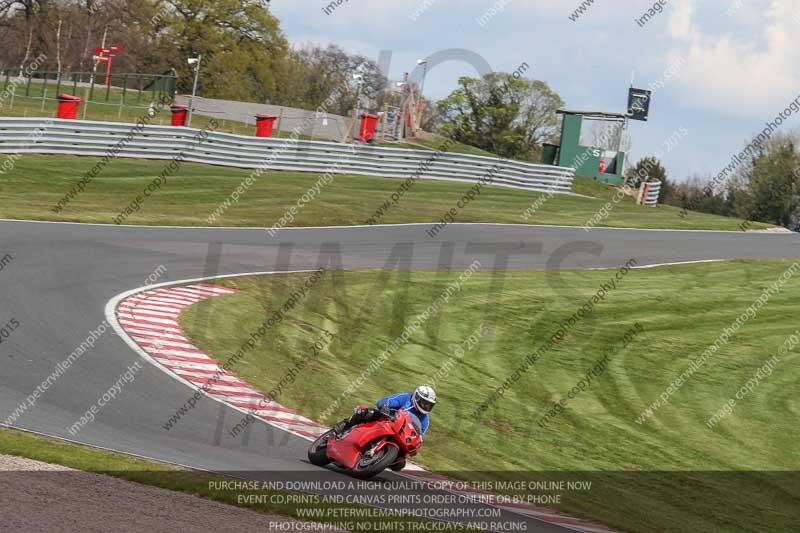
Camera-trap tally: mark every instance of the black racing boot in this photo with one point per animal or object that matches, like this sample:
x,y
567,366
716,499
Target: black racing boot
x,y
339,428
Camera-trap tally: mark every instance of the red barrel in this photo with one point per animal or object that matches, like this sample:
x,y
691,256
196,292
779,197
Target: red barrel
x,y
368,124
264,125
68,106
179,114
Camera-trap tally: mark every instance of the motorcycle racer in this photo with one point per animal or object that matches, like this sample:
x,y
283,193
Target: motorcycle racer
x,y
420,403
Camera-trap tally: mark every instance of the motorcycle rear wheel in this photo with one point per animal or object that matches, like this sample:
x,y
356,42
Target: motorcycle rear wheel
x,y
368,467
318,451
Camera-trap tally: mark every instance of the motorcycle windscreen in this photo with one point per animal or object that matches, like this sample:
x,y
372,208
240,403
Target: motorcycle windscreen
x,y
415,421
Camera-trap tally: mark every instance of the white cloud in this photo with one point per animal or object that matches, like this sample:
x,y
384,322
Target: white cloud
x,y
680,21
748,73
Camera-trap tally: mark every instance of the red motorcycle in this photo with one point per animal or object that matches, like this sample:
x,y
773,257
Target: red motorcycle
x,y
368,449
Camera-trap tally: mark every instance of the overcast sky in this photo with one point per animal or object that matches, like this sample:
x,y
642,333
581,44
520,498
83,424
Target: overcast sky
x,y
727,67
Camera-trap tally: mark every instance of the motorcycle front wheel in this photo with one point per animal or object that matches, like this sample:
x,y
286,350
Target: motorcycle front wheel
x,y
318,451
369,466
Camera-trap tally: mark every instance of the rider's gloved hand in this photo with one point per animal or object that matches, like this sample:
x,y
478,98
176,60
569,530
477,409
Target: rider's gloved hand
x,y
385,409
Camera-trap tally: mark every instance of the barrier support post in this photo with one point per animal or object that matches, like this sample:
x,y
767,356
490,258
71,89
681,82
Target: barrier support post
x,y
44,93
383,122
86,101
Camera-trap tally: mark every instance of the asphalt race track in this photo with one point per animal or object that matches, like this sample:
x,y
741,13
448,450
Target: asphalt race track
x,y
61,276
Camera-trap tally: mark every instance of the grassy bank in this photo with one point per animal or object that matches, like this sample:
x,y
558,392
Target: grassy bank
x,y
37,183
671,470
438,142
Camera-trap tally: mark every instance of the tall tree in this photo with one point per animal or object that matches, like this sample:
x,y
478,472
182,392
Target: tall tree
x,y
320,74
501,113
241,43
22,14
771,192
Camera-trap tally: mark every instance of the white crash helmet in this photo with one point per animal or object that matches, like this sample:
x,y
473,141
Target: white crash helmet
x,y
424,399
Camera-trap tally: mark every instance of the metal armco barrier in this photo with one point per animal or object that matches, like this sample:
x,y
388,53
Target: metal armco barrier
x,y
648,193
90,138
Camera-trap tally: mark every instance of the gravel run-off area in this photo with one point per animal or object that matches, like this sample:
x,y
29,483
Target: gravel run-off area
x,y
42,497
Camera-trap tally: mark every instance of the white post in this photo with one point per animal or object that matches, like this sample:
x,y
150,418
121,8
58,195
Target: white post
x,y
194,87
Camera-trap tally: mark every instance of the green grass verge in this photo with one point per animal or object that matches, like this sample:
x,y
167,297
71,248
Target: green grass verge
x,y
165,476
436,142
656,467
37,183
